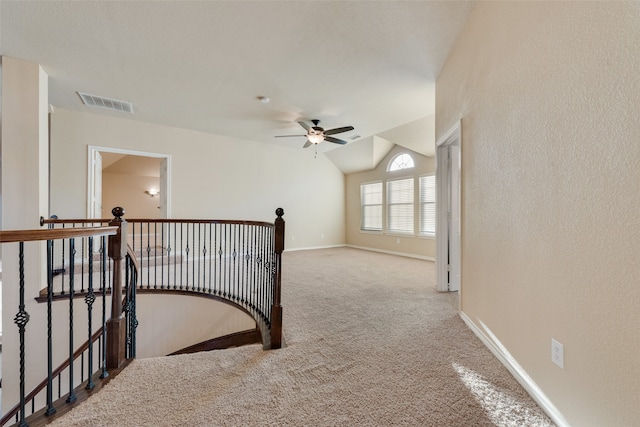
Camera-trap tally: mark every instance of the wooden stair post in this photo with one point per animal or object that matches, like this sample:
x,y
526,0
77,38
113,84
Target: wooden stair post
x,y
116,325
276,308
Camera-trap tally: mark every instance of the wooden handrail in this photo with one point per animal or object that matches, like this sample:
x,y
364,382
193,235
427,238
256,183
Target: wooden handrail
x,y
44,221
13,236
133,257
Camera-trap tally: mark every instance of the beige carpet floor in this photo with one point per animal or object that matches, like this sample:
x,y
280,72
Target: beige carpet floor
x,y
369,343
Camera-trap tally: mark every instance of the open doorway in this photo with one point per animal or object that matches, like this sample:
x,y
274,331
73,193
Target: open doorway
x,y
448,235
136,181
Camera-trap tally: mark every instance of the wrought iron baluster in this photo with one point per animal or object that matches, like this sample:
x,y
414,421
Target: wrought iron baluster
x,y
102,349
175,257
260,269
199,256
62,266
162,250
210,253
148,249
233,266
72,256
183,255
225,283
132,323
236,263
155,256
216,267
89,300
245,265
50,409
254,233
21,319
233,270
127,305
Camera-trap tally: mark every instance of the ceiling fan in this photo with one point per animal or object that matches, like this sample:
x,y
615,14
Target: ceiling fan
x,y
315,134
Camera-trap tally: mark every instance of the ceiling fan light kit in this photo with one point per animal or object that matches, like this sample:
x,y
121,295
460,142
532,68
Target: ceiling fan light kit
x,y
315,134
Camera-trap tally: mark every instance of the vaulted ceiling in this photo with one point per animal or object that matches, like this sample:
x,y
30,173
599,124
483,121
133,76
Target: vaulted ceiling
x,y
202,65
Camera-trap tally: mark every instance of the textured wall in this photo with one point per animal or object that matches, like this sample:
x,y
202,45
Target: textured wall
x,y
211,176
549,96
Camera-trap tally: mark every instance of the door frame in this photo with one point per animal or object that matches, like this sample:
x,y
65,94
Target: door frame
x,y
448,182
165,178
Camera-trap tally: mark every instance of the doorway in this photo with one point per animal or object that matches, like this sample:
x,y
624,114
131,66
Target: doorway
x,y
448,235
137,181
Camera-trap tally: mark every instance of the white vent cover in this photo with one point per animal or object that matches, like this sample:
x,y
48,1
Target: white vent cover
x,y
108,103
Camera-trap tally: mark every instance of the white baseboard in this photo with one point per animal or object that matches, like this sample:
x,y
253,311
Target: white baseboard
x,y
404,254
314,247
517,371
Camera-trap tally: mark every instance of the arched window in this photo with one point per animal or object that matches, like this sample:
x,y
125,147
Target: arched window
x,y
401,161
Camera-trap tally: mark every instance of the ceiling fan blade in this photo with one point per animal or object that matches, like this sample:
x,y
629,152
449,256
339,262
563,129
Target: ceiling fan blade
x,y
306,144
334,140
304,125
338,130
287,136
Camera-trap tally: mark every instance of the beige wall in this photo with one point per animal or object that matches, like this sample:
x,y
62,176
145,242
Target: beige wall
x,y
169,323
212,176
25,193
549,96
129,190
420,247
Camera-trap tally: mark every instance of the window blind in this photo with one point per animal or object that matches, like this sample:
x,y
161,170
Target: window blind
x,y
428,204
371,203
400,205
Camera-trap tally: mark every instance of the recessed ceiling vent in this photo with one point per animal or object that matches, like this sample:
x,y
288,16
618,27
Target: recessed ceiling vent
x,y
107,103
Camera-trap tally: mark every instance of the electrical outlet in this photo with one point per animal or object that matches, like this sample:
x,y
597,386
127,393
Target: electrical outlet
x,y
557,353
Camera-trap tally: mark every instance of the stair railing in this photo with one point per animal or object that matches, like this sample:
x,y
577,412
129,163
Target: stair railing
x,y
119,341
234,261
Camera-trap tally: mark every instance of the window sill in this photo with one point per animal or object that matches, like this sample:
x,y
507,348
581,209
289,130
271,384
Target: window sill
x,y
427,236
399,234
371,231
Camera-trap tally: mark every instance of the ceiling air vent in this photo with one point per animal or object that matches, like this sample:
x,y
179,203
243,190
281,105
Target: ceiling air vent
x,y
107,103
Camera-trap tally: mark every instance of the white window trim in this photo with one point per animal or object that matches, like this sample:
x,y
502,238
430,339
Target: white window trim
x,y
382,206
420,234
387,205
393,159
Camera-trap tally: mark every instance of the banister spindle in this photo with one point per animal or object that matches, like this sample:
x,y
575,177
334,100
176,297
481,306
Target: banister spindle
x,y
21,320
103,275
72,252
50,408
89,299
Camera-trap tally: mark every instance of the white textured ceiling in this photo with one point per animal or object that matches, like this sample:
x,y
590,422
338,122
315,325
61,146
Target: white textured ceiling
x,y
202,64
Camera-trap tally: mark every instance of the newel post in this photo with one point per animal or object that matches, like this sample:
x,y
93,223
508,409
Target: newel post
x,y
116,326
276,308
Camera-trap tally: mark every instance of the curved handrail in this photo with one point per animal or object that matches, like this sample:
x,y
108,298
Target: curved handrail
x,y
44,221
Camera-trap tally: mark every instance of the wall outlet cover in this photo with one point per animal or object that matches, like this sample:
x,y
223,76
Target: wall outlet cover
x,y
557,353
